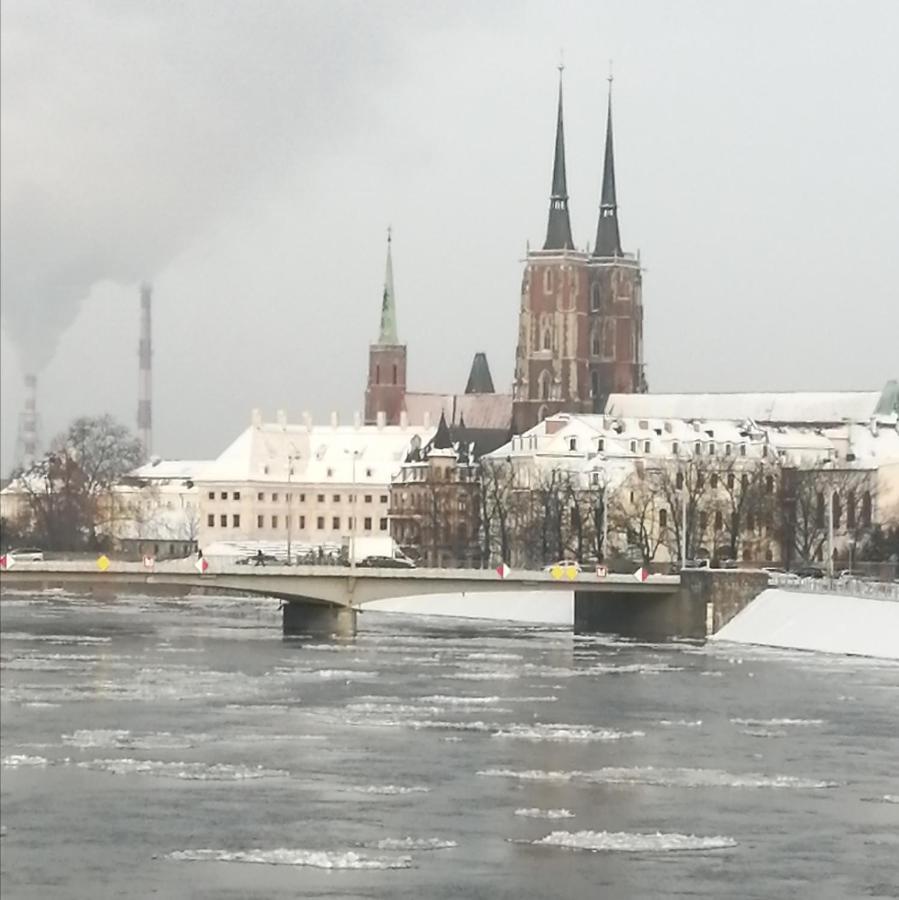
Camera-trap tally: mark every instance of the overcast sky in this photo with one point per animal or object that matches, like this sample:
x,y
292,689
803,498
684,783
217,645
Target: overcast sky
x,y
248,157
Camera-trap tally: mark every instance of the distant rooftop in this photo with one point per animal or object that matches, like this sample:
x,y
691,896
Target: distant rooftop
x,y
792,408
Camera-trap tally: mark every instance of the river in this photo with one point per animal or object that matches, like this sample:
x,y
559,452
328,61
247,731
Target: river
x,y
185,749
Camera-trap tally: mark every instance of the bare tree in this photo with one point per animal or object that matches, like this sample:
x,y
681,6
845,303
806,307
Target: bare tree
x,y
69,490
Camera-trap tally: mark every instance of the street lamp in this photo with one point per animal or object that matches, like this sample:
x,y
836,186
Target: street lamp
x,y
355,454
290,459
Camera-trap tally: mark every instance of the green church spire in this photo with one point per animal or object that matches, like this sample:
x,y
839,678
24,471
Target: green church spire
x,y
388,334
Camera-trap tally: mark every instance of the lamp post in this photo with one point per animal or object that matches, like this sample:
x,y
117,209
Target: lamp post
x,y
354,454
683,528
290,458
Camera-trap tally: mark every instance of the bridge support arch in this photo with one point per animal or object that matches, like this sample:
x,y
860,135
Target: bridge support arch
x,y
303,616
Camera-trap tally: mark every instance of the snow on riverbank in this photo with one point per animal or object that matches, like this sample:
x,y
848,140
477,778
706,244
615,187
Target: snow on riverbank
x,y
828,623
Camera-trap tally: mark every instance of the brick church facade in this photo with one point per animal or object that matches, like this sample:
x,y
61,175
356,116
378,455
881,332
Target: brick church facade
x,y
580,332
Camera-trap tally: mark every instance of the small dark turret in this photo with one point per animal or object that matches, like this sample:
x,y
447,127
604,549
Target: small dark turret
x,y
479,378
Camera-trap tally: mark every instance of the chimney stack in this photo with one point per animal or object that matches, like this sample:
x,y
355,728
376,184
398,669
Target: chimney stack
x,y
145,384
29,422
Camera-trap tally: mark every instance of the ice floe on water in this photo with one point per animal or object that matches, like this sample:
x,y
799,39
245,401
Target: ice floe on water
x,y
453,700
627,842
537,813
22,760
411,843
498,675
664,777
56,638
123,739
681,723
776,723
319,859
390,789
558,732
188,771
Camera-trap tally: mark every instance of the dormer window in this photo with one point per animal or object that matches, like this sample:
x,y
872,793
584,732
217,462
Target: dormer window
x,y
572,443
601,445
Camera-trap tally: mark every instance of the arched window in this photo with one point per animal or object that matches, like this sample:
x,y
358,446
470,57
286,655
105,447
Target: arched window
x,y
377,374
608,339
595,342
547,281
866,509
547,339
541,413
595,299
394,373
837,510
543,385
594,383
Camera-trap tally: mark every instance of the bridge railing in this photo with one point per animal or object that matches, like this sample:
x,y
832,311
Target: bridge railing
x,y
853,587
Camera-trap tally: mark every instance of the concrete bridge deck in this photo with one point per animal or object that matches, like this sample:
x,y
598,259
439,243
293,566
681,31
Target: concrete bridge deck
x,y
327,598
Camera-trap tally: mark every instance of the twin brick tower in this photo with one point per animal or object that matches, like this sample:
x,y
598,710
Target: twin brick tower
x,y
580,326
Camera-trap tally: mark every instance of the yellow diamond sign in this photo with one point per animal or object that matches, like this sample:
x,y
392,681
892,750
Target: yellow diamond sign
x,y
103,562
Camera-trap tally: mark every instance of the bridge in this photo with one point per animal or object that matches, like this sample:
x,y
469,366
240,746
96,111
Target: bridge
x,y
327,598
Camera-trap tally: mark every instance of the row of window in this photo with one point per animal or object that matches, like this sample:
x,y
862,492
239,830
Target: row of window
x,y
275,497
367,522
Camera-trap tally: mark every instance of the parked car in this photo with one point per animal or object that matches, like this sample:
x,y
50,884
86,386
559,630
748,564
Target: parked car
x,y
563,564
27,554
386,562
701,563
810,572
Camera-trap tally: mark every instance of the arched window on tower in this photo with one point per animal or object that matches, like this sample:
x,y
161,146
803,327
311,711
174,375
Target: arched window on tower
x,y
377,374
394,373
547,281
594,383
543,385
547,339
595,299
595,343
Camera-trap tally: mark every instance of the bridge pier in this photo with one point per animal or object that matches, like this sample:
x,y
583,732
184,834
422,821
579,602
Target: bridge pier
x,y
301,616
706,600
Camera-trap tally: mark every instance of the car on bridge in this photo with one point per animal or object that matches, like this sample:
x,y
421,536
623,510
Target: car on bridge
x,y
27,554
386,562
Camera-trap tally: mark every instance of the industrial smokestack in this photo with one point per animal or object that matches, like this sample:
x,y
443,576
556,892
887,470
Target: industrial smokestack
x,y
29,422
145,384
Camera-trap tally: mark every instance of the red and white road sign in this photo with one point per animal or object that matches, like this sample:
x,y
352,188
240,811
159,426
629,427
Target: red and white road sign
x,y
7,562
601,571
641,574
149,562
201,565
503,570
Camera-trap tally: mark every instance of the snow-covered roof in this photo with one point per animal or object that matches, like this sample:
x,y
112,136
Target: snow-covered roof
x,y
169,469
317,454
800,407
490,411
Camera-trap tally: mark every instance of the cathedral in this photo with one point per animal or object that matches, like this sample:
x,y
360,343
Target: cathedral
x,y
580,326
580,330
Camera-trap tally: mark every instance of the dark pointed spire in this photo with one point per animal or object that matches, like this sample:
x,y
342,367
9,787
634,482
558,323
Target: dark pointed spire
x,y
387,333
558,229
479,379
441,439
608,240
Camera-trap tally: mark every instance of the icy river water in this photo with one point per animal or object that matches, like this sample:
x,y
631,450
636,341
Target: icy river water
x,y
184,749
